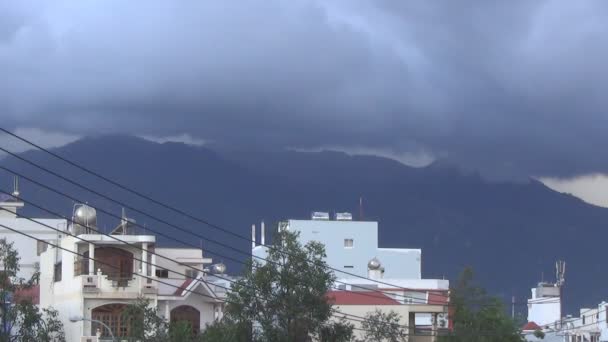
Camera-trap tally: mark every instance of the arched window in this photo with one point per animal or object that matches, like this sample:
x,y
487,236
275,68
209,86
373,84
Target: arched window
x,y
110,314
188,314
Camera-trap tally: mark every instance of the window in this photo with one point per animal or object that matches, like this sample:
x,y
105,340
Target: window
x,y
162,273
584,319
57,272
41,247
191,273
349,243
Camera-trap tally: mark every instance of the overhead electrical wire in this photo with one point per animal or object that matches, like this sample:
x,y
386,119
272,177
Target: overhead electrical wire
x,y
139,194
85,257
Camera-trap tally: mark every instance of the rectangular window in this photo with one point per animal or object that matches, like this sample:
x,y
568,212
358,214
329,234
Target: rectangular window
x,y
160,273
349,243
57,272
191,273
41,247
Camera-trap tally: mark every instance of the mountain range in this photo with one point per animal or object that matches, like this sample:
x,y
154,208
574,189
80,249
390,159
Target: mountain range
x,y
511,233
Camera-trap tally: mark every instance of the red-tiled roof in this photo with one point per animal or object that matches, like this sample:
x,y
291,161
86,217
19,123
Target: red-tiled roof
x,y
180,291
438,297
531,326
359,298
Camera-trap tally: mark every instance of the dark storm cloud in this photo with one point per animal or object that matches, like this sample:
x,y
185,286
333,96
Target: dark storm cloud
x,y
510,87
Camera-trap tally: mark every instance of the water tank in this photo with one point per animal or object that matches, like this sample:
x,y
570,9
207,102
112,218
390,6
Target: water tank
x,y
374,264
218,268
84,218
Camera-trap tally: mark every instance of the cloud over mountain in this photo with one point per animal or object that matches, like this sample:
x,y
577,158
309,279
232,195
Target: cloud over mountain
x,y
511,88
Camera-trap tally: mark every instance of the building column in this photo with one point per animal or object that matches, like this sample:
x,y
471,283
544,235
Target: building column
x,y
411,326
144,258
91,259
434,322
153,266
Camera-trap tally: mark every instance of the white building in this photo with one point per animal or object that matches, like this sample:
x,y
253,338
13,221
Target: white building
x,y
28,248
99,290
545,305
350,245
545,314
374,278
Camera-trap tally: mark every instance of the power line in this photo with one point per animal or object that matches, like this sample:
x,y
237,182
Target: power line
x,y
178,240
130,244
139,194
416,299
138,274
179,211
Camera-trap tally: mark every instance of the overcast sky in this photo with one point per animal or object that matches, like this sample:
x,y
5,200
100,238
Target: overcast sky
x,y
515,88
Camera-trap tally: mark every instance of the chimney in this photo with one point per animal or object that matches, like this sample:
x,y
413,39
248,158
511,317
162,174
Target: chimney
x,y
263,236
253,236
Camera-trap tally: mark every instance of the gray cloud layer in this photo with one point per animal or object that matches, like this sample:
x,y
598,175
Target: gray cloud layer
x,y
510,87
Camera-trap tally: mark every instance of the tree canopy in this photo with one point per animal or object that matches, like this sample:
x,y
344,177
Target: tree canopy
x,y
284,298
477,316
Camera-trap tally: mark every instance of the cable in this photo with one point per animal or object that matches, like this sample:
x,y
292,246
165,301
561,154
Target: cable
x,y
130,244
137,193
173,238
133,273
416,299
137,259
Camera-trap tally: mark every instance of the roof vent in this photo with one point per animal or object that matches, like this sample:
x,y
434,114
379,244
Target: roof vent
x,y
320,216
344,217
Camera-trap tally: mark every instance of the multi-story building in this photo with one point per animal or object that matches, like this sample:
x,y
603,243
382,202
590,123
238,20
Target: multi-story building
x,y
105,275
28,248
387,279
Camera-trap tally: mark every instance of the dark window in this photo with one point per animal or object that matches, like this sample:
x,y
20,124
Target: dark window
x,y
190,273
57,272
41,247
162,273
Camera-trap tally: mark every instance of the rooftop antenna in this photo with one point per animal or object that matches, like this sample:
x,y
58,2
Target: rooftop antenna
x,y
16,186
560,272
560,277
361,208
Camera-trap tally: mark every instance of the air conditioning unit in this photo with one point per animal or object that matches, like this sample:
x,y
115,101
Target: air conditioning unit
x,y
89,339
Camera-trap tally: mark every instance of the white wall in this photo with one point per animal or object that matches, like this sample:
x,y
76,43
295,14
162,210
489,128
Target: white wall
x,y
26,246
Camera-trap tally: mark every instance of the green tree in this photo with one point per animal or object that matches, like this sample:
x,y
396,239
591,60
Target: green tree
x,y
146,325
382,326
226,331
20,319
144,322
477,316
284,298
337,331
